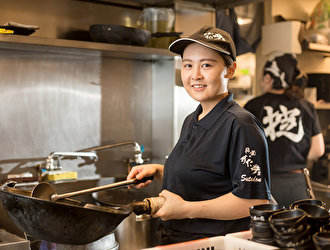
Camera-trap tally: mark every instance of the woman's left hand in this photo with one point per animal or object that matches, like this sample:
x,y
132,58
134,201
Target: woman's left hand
x,y
174,207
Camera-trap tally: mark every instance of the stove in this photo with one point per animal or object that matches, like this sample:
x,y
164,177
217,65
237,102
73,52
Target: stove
x,y
10,241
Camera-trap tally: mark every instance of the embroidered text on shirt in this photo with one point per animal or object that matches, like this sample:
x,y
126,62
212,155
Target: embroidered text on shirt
x,y
255,169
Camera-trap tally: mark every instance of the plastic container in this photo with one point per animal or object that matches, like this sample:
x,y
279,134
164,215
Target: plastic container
x,y
241,240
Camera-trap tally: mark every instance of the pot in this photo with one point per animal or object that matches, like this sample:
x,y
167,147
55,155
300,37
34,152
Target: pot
x,y
67,221
136,231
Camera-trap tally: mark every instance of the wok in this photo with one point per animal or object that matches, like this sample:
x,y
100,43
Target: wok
x,y
119,197
118,34
67,221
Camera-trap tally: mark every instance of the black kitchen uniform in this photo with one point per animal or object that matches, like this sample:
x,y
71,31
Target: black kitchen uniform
x,y
224,152
289,125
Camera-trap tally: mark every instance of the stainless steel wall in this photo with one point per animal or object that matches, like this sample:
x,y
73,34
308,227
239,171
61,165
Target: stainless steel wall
x,y
67,102
65,18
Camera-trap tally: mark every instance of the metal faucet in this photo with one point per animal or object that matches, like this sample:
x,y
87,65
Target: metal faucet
x,y
49,164
138,150
90,153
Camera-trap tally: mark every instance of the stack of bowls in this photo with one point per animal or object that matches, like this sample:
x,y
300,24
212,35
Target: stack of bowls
x,y
325,228
308,202
317,216
261,230
322,240
291,229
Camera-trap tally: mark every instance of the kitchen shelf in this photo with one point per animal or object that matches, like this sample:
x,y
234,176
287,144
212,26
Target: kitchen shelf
x,y
220,4
74,47
315,47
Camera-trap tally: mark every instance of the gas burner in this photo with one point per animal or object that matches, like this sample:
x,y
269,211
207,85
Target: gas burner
x,y
10,241
106,243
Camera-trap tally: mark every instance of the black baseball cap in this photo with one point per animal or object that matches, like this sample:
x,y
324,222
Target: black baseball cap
x,y
210,37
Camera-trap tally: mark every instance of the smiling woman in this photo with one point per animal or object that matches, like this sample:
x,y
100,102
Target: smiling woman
x,y
205,75
221,158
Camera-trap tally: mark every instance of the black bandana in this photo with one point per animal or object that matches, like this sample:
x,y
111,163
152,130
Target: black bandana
x,y
283,70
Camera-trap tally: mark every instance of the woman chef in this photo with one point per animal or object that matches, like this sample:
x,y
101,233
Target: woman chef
x,y
291,125
219,166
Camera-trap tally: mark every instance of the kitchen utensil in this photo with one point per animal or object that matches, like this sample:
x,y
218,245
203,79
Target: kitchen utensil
x,y
296,240
46,191
290,228
144,225
163,39
317,216
307,201
157,19
308,183
6,31
263,211
118,34
261,229
321,240
20,29
287,216
68,221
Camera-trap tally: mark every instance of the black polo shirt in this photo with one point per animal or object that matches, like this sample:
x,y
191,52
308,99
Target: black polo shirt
x,y
224,152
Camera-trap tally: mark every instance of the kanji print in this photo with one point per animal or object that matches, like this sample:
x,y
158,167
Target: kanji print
x,y
248,161
282,122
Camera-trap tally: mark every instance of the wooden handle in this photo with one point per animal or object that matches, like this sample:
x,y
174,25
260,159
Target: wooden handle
x,y
155,203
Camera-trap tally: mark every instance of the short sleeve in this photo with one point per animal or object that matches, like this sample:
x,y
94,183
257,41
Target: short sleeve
x,y
249,162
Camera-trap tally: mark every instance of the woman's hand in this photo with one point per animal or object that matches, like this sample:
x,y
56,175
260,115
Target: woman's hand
x,y
141,171
174,207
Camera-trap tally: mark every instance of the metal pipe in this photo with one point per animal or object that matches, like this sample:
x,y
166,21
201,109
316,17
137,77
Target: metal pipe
x,y
111,146
137,149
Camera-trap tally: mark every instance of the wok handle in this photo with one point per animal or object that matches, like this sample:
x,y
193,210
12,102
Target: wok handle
x,y
155,203
55,197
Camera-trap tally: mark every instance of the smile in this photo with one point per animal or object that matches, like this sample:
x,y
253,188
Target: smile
x,y
198,86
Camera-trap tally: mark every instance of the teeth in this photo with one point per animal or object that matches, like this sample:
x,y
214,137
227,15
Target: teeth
x,y
198,86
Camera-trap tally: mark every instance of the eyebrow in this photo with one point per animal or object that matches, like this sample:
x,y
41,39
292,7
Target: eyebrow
x,y
206,59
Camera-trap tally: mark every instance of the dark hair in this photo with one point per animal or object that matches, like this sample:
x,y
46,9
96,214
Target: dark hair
x,y
295,89
228,60
284,71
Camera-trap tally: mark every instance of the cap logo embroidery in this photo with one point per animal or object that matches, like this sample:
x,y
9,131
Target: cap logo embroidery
x,y
214,36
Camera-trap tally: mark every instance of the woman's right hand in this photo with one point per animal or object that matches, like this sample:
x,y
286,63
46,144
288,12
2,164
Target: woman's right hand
x,y
141,171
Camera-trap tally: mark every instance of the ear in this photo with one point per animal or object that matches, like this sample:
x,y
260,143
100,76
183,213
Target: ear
x,y
266,83
268,79
231,70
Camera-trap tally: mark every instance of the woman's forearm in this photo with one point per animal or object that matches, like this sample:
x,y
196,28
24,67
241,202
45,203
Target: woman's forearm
x,y
317,147
226,207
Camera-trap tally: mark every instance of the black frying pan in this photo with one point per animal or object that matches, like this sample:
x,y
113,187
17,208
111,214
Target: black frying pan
x,y
118,34
67,221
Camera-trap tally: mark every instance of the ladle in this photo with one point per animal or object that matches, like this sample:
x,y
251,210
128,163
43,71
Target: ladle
x,y
46,191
